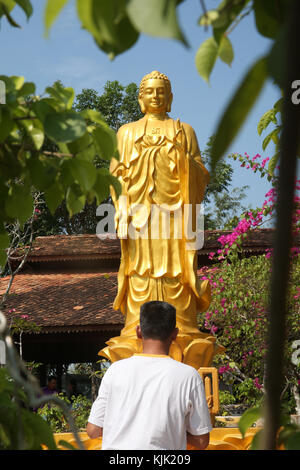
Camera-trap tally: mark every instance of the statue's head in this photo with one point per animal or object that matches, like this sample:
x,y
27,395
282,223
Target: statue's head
x,y
155,94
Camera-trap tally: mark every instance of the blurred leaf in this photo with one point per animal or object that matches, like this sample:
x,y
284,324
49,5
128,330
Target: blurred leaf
x,y
238,109
75,200
42,108
34,130
268,116
106,143
37,431
4,244
272,136
19,203
5,8
268,17
42,174
208,53
64,95
84,173
206,57
248,419
108,23
208,18
28,88
52,10
273,162
228,13
6,123
66,445
26,7
226,51
156,18
101,186
293,442
54,196
277,58
65,126
79,145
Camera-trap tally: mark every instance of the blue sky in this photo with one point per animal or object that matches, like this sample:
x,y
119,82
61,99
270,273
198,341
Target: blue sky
x,y
70,54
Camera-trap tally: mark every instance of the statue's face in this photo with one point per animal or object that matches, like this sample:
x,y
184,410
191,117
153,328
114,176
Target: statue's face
x,y
155,98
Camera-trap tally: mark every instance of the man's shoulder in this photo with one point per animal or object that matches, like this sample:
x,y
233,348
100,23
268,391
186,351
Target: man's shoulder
x,y
184,367
120,364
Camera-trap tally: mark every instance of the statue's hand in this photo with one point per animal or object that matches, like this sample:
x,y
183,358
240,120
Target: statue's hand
x,y
122,230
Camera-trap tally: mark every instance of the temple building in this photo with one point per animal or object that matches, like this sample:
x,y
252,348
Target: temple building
x,y
67,287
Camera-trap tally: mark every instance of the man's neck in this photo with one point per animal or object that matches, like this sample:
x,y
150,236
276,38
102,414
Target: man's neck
x,y
155,347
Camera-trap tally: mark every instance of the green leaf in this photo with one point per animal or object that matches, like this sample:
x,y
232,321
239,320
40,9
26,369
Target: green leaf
x,y
42,174
108,23
208,53
4,244
52,10
101,186
53,196
267,17
18,81
26,7
34,130
277,58
105,140
238,109
5,8
156,18
272,136
19,203
206,57
63,95
75,200
84,173
66,445
115,183
228,14
65,126
27,89
248,419
273,162
226,53
208,18
256,441
42,108
37,431
267,117
81,144
6,123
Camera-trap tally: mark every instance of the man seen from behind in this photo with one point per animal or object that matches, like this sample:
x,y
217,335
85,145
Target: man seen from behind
x,y
150,401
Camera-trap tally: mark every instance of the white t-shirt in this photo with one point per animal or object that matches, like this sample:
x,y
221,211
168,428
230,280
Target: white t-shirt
x,y
150,402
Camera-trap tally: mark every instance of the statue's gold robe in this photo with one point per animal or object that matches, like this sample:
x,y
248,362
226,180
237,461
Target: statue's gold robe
x,y
162,172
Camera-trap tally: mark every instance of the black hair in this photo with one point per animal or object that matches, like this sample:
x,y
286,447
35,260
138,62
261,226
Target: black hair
x,y
157,320
52,377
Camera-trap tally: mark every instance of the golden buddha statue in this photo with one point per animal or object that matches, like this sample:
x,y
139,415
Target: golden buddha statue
x,y
161,174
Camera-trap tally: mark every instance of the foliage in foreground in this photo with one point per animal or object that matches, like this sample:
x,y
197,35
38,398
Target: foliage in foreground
x,y
20,428
80,407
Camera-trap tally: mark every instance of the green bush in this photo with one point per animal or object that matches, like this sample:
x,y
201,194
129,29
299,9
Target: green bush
x,y
80,408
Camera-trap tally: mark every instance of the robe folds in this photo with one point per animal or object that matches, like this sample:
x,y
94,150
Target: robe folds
x,y
163,180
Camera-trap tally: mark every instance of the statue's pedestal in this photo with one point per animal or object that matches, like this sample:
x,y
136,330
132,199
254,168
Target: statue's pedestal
x,y
220,439
196,350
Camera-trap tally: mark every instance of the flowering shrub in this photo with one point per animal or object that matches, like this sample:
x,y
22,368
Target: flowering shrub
x,y
238,314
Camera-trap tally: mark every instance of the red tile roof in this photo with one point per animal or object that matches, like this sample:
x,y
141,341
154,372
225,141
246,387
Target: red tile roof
x,y
89,246
65,301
